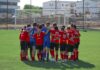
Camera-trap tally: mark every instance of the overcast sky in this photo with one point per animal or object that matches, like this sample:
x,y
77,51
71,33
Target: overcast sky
x,y
35,2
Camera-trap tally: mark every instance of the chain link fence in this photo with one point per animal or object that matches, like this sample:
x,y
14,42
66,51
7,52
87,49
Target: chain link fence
x,y
24,17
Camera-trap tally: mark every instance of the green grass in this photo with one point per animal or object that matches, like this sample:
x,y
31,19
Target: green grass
x,y
10,49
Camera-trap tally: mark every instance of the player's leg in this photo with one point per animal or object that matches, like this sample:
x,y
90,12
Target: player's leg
x,y
66,52
47,50
23,47
52,50
56,50
38,53
71,51
61,52
22,51
33,51
76,52
44,50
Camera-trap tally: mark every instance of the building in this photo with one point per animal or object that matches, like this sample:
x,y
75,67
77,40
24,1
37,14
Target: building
x,y
8,7
91,8
70,8
59,8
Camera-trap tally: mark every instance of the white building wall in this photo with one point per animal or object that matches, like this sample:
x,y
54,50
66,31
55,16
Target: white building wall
x,y
64,7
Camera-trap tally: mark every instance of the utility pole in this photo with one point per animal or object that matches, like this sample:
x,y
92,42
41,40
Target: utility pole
x,y
7,17
83,15
30,11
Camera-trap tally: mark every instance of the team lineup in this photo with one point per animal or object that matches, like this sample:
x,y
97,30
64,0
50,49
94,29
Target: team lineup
x,y
47,40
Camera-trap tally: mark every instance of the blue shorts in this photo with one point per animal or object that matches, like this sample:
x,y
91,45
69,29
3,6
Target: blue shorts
x,y
46,44
32,44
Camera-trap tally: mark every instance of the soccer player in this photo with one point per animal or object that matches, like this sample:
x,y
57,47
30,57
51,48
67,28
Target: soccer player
x,y
32,41
29,29
55,36
77,41
46,44
70,42
63,37
52,41
23,43
39,38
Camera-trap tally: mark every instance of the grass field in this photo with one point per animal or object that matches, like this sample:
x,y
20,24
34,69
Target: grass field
x,y
10,49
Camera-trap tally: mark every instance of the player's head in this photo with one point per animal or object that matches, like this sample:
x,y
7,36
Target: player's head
x,y
73,26
42,25
39,28
28,25
34,24
69,27
54,25
63,28
56,28
48,24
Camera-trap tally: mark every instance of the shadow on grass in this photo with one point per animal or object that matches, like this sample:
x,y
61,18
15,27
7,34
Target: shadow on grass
x,y
59,65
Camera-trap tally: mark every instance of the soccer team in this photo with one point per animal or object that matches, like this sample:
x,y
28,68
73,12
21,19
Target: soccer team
x,y
47,39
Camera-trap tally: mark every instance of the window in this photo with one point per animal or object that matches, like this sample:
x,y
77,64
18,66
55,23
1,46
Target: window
x,y
51,4
9,3
5,10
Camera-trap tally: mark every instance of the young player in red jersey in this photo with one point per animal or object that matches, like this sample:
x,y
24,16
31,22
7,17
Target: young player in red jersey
x,y
77,42
63,45
23,42
56,42
52,35
39,38
70,42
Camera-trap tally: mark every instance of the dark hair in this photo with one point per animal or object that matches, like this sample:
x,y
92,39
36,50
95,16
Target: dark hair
x,y
28,25
63,27
48,23
75,26
34,24
40,26
54,25
56,28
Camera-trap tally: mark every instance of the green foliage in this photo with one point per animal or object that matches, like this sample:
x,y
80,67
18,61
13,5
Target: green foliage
x,y
31,8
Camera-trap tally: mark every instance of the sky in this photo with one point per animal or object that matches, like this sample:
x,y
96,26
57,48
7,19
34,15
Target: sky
x,y
35,2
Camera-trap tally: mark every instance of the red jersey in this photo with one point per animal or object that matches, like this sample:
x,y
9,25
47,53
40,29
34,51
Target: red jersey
x,y
77,36
56,36
24,36
63,37
39,38
52,34
71,37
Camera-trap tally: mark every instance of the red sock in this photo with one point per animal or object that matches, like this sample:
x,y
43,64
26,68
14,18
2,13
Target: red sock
x,y
66,55
57,57
61,56
21,58
39,56
75,54
72,57
32,58
52,53
26,56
